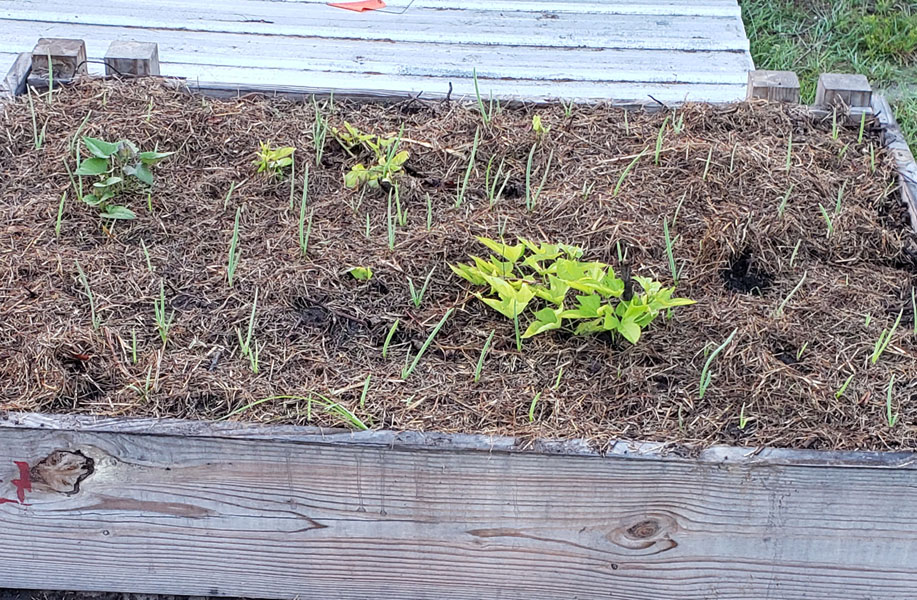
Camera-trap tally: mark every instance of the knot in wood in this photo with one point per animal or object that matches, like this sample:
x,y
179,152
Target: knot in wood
x,y
644,529
62,471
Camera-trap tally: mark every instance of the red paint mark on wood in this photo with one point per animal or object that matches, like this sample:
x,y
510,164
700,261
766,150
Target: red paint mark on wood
x,y
8,501
24,483
361,6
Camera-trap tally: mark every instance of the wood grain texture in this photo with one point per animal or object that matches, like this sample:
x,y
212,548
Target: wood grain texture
x,y
329,518
896,143
522,50
15,70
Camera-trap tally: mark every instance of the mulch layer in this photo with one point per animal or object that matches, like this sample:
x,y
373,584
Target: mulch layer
x,y
724,174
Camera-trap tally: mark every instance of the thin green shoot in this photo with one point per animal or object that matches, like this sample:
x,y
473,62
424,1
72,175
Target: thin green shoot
x,y
835,131
50,78
319,131
885,338
862,128
232,187
840,391
490,185
390,224
868,320
678,208
827,217
369,378
843,151
429,202
146,255
366,233
789,153
560,373
460,196
480,365
587,190
148,385
38,137
678,121
293,182
568,108
786,198
149,201
626,171
780,309
485,115
417,295
705,374
408,369
872,158
668,250
840,198
329,405
620,253
801,350
743,420
914,307
532,407
659,138
232,262
248,346
707,164
400,215
388,338
133,346
305,225
890,417
96,320
74,141
795,252
626,123
163,323
531,196
60,214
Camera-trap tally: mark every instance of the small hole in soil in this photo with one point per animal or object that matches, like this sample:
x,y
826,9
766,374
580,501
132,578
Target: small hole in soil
x,y
744,277
310,312
513,190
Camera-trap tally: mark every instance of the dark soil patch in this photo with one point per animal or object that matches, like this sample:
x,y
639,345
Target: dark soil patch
x,y
321,332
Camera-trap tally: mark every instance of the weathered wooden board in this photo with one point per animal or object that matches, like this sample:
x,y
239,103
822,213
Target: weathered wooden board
x,y
14,69
896,144
292,513
522,50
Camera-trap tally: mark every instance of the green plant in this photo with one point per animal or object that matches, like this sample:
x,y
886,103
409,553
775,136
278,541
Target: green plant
x,y
532,406
334,408
786,198
365,390
273,161
801,350
320,129
705,375
862,128
460,195
914,307
627,170
486,115
539,129
163,323
668,250
795,252
146,255
60,214
560,373
118,167
568,108
248,347
490,185
148,385
417,295
232,188
232,262
305,226
388,338
408,369
827,217
840,197
531,195
389,160
400,215
515,275
835,131
890,417
840,391
38,137
480,364
361,273
133,346
72,145
390,224
779,311
96,320
659,137
884,340
743,420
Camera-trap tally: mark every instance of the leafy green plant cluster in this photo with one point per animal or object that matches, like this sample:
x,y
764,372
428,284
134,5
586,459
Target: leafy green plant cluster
x,y
389,160
274,161
516,275
117,166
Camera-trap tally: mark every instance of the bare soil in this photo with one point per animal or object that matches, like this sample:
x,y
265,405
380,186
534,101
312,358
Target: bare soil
x,y
321,331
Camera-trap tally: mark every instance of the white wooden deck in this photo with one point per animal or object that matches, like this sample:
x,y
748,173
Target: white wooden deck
x,y
522,49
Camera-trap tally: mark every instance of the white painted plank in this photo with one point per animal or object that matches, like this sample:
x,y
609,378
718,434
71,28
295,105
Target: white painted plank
x,y
275,519
423,25
404,59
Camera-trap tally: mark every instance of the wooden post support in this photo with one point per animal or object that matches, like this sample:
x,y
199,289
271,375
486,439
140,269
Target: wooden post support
x,y
138,59
852,91
67,60
776,86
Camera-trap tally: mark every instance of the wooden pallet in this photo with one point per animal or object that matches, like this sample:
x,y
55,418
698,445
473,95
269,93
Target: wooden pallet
x,y
521,49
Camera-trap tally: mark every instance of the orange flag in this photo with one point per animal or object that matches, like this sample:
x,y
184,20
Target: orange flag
x,y
359,6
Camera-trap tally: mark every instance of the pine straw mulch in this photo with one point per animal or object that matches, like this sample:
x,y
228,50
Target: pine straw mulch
x,y
322,331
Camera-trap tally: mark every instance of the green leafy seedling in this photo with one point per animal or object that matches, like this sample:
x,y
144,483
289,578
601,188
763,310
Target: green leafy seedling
x,y
361,273
274,161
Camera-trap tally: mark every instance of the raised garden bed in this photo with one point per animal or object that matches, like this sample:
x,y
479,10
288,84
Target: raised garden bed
x,y
786,230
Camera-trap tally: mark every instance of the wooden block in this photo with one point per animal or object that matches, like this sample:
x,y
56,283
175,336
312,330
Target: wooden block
x,y
13,83
776,86
840,89
68,59
138,59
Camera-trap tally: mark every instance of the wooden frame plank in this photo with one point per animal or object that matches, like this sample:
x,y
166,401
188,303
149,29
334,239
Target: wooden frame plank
x,y
14,81
223,509
896,143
